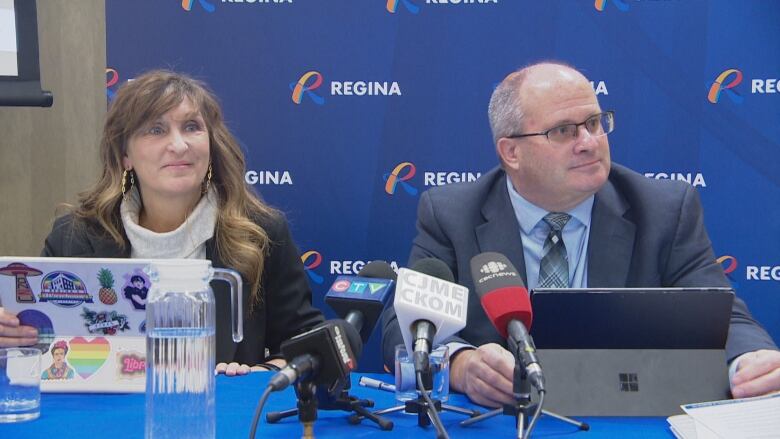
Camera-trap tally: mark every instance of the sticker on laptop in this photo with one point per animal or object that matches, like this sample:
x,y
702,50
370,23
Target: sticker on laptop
x,y
136,288
64,289
40,321
104,322
59,369
130,364
24,294
107,294
88,356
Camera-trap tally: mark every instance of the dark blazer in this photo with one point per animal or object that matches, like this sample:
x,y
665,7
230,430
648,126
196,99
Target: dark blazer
x,y
644,233
285,310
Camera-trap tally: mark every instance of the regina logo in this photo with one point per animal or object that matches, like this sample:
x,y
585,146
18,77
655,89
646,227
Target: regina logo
x,y
310,80
402,173
726,81
620,4
392,6
311,260
187,5
729,264
112,78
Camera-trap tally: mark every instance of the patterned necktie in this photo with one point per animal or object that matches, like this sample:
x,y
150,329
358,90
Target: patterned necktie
x,y
554,267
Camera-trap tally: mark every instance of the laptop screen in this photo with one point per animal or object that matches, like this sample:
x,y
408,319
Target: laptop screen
x,y
631,318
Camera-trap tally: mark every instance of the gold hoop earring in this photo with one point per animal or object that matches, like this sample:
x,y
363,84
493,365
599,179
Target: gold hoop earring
x,y
207,182
126,189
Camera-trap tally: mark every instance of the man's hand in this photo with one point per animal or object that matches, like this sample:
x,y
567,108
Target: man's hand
x,y
758,374
12,334
484,374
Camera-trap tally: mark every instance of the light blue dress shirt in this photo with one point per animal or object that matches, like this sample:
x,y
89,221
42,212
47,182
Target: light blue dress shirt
x,y
534,231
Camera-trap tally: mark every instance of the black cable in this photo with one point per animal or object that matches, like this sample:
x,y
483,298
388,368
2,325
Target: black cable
x,y
259,410
434,415
536,415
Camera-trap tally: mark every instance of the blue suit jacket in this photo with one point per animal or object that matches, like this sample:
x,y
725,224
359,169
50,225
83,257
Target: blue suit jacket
x,y
644,233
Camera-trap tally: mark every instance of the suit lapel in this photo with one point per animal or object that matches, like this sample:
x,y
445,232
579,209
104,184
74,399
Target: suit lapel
x,y
611,241
500,232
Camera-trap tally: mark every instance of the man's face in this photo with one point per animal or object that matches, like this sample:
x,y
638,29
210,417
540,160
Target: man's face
x,y
552,176
138,283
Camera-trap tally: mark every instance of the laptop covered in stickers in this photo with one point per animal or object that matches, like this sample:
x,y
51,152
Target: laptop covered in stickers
x,y
90,314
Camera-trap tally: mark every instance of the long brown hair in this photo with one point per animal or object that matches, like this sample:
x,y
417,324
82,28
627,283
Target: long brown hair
x,y
240,242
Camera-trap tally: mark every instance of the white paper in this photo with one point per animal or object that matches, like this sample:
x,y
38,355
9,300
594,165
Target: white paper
x,y
8,49
682,426
685,427
747,418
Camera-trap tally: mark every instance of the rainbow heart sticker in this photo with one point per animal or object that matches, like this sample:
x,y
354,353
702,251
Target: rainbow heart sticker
x,y
88,356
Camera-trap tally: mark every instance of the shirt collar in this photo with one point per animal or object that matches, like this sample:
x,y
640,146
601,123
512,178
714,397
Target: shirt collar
x,y
529,214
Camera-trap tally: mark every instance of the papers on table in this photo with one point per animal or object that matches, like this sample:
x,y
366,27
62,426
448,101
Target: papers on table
x,y
747,418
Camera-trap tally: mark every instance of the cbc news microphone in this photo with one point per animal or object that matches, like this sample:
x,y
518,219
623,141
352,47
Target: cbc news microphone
x,y
361,299
429,306
326,354
506,302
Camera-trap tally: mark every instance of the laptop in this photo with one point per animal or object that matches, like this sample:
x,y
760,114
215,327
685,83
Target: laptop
x,y
90,314
631,351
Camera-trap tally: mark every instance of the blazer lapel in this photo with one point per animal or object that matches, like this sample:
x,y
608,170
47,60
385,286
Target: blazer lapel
x,y
500,232
611,241
106,247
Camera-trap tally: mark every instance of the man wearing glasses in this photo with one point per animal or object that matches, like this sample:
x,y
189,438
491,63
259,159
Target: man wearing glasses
x,y
568,217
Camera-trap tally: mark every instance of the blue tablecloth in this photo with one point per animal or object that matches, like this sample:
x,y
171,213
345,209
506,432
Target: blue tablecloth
x,y
115,416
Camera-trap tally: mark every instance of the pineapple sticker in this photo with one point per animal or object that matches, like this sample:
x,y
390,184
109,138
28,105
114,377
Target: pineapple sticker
x,y
107,294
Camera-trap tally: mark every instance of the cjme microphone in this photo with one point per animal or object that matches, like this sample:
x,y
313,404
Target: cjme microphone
x,y
505,299
361,299
325,354
429,307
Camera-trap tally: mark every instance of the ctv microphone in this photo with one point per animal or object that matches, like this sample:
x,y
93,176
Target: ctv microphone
x,y
505,300
429,307
361,299
326,354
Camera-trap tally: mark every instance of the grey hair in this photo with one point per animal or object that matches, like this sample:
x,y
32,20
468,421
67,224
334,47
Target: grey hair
x,y
505,110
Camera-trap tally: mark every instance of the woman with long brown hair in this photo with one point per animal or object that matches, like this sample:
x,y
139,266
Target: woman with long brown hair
x,y
172,186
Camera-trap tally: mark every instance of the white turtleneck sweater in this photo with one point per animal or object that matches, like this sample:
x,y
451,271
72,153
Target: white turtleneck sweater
x,y
188,241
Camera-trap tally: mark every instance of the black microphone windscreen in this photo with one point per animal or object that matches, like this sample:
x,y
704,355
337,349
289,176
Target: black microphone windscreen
x,y
353,337
378,270
434,267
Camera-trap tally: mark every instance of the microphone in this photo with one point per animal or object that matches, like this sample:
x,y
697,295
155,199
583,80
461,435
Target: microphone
x,y
361,299
507,304
326,354
430,307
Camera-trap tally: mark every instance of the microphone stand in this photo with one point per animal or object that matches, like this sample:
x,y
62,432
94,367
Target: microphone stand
x,y
522,409
420,406
307,406
310,399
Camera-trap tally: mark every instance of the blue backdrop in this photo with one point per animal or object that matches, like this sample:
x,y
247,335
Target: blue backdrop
x,y
349,109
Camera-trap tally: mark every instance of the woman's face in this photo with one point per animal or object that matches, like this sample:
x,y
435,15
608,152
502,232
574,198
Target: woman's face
x,y
170,155
58,355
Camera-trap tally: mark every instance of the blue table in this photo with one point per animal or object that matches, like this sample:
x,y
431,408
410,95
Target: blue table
x,y
117,416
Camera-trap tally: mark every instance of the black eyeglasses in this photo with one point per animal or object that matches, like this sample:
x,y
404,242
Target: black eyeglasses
x,y
597,125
